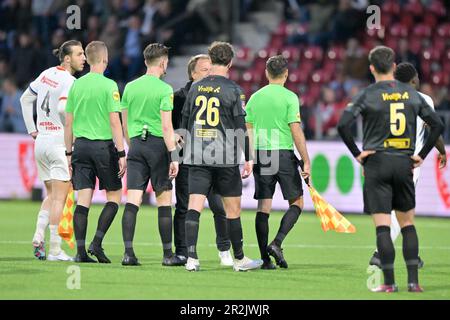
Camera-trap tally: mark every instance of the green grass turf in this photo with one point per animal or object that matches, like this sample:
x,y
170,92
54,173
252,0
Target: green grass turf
x,y
321,265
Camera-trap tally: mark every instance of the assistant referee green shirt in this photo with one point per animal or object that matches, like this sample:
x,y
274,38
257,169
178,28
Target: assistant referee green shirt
x,y
91,99
270,110
145,98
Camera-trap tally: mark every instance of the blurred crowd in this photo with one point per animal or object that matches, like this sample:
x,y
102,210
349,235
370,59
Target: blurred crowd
x,y
326,42
30,29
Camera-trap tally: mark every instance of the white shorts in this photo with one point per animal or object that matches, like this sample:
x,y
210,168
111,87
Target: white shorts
x,y
51,160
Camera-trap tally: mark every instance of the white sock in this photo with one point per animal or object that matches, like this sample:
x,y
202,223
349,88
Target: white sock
x,y
395,227
41,224
55,240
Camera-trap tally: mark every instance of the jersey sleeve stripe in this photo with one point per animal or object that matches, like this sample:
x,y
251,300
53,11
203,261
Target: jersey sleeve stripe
x,y
31,89
62,98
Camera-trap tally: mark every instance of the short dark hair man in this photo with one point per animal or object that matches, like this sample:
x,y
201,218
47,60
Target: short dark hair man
x,y
92,116
199,67
407,73
147,105
273,113
389,110
213,108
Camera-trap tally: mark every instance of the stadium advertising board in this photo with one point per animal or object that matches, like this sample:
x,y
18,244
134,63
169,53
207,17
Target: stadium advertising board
x,y
336,176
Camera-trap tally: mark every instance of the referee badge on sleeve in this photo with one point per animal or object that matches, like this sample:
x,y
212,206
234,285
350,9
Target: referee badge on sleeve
x,y
242,96
116,95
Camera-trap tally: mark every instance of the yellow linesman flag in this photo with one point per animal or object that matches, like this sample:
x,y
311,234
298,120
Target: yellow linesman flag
x,y
329,217
65,228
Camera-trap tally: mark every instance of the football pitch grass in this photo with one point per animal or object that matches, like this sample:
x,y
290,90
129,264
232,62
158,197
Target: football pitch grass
x,y
321,265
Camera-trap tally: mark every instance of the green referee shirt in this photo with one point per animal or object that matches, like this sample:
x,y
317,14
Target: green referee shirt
x,y
145,98
270,110
91,99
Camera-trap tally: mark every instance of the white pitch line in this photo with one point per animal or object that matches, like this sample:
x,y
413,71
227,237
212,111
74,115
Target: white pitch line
x,y
253,245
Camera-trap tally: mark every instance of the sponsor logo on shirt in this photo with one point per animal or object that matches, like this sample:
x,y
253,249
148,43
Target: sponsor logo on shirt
x,y
208,89
116,95
395,96
50,82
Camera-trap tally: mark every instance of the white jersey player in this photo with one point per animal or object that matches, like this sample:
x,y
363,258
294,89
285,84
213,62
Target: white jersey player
x,y
407,73
49,92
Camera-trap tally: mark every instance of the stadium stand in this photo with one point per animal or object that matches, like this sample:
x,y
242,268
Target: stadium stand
x,y
326,42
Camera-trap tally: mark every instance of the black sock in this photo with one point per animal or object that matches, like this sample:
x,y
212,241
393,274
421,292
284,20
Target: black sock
x,y
262,233
411,252
104,221
287,222
387,253
179,232
235,228
80,227
220,222
222,238
192,224
129,226
165,229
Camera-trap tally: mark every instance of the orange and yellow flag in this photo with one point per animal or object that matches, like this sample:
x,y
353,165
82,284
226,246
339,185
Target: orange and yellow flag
x,y
329,217
65,228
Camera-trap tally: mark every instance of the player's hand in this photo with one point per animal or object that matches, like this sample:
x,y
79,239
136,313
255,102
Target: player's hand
x,y
417,161
442,160
248,168
122,166
173,169
306,171
34,135
363,155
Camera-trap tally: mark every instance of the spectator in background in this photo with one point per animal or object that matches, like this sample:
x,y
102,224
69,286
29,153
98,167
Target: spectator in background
x,y
356,65
23,15
404,54
327,114
58,38
165,28
3,75
11,119
43,21
347,21
25,61
133,7
93,29
297,10
315,27
112,37
149,9
215,14
128,65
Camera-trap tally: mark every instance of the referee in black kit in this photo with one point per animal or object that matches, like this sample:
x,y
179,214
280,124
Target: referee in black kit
x,y
199,67
389,110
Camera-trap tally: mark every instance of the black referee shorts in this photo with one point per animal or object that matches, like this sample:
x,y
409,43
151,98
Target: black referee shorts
x,y
388,183
225,181
267,174
148,160
95,158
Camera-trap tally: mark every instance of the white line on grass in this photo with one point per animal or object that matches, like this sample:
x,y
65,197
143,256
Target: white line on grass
x,y
306,246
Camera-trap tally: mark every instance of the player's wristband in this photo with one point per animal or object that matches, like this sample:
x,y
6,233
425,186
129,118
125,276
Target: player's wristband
x,y
69,153
174,156
121,154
